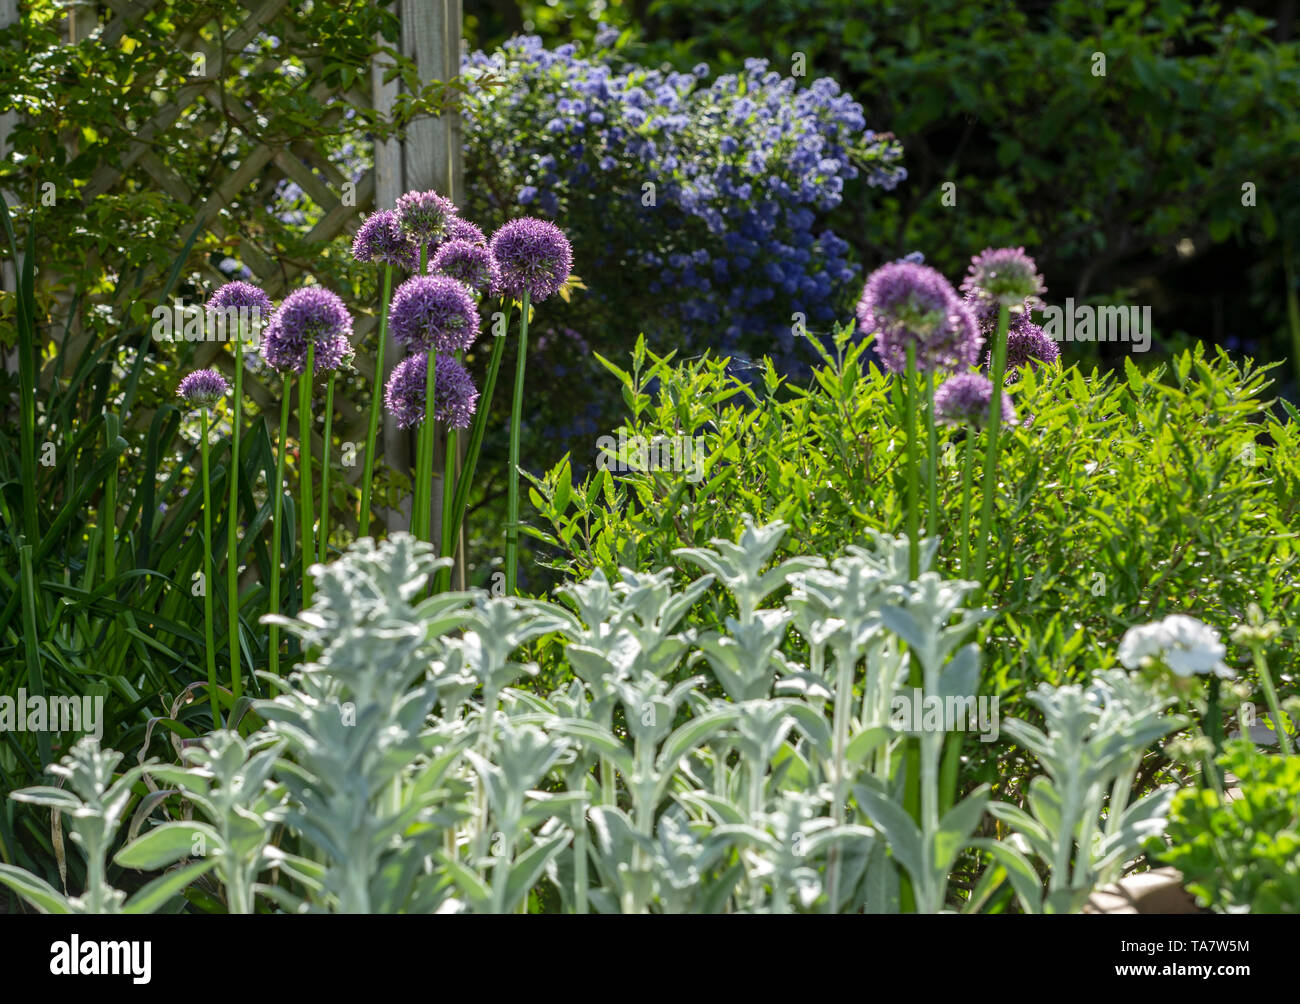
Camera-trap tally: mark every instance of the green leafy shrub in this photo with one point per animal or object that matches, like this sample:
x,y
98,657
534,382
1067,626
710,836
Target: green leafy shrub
x,y
1120,501
1240,854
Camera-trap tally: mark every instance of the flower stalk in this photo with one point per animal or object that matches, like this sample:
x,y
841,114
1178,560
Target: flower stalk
x,y
372,430
516,414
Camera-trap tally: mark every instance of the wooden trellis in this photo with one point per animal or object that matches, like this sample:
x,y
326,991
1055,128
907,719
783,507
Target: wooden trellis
x,y
426,156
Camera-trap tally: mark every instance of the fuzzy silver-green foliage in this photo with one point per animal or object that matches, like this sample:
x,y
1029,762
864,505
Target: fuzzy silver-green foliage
x,y
404,769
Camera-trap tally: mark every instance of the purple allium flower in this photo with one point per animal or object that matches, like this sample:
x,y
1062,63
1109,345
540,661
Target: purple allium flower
x,y
906,303
454,395
1027,345
472,264
331,354
238,309
533,256
240,296
433,312
203,388
309,315
424,215
1002,276
460,229
380,239
964,400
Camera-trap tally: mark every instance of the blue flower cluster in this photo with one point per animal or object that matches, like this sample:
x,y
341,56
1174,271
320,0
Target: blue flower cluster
x,y
698,205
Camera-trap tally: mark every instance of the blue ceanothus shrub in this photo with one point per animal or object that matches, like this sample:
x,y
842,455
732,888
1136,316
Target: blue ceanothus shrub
x,y
699,208
404,768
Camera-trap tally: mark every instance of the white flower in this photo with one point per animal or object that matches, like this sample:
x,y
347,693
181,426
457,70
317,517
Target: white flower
x,y
1187,646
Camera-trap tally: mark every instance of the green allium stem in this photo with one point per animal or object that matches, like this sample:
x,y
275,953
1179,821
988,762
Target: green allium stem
x,y
277,513
304,470
932,468
516,414
967,463
376,398
232,521
913,474
423,528
477,430
208,634
325,470
448,503
989,483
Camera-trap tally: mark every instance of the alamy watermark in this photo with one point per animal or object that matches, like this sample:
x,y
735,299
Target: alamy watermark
x,y
75,957
33,713
183,322
662,453
917,712
1099,324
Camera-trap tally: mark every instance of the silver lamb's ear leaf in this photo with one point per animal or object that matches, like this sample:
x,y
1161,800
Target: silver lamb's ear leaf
x,y
166,844
1024,880
954,832
901,833
529,866
35,890
158,892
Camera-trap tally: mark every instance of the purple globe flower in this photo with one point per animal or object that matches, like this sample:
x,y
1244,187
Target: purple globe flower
x,y
309,315
203,388
533,256
424,215
454,394
964,400
380,239
472,264
332,354
1002,277
240,296
238,309
460,229
1027,345
433,312
909,304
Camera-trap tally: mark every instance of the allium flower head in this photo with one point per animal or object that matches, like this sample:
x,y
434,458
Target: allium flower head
x,y
1027,345
309,315
1002,276
1187,646
240,296
534,257
239,310
461,229
472,264
964,400
433,312
454,394
424,215
203,388
380,239
910,304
